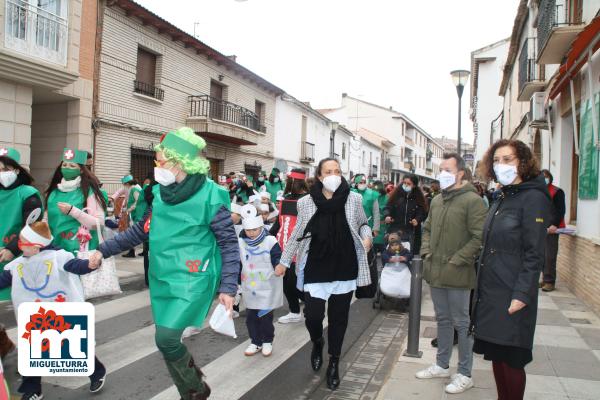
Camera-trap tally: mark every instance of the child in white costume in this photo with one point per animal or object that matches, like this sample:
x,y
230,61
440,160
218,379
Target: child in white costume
x,y
48,274
262,290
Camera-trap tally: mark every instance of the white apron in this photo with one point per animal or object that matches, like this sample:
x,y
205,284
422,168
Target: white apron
x,y
261,288
43,278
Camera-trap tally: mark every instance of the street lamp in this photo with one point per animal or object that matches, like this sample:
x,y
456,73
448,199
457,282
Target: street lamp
x,y
459,78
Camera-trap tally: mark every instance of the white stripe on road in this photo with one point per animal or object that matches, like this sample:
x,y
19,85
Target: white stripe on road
x,y
110,309
254,369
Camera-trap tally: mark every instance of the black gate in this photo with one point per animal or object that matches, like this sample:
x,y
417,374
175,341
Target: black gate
x,y
142,163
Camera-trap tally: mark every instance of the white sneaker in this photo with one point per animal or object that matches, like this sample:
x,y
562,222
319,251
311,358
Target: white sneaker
x,y
459,384
433,371
267,349
252,349
290,318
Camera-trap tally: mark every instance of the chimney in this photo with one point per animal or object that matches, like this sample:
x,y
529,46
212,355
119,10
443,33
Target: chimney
x,y
344,94
233,58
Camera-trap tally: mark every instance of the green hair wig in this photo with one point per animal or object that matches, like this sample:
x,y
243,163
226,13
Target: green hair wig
x,y
190,164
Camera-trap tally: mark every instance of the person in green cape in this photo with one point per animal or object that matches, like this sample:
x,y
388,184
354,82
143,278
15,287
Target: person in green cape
x,y
379,240
136,204
73,200
195,252
370,202
274,184
246,189
18,199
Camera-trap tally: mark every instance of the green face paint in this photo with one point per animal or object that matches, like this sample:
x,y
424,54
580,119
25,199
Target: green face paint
x,y
70,173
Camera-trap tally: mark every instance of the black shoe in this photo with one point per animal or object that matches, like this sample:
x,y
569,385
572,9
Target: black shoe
x,y
333,373
32,396
130,254
316,356
141,254
98,383
434,343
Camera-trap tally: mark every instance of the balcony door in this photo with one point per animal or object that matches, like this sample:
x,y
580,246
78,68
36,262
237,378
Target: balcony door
x,y
216,101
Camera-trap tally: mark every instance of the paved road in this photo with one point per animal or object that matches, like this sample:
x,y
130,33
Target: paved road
x,y
125,344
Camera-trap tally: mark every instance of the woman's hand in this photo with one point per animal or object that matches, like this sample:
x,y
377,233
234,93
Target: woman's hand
x,y
227,301
414,222
64,208
389,220
6,255
367,243
280,270
95,260
516,305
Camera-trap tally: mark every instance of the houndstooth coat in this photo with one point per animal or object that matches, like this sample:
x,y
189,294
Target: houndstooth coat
x,y
359,227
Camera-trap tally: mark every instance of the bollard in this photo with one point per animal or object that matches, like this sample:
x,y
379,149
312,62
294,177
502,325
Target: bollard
x,y
414,315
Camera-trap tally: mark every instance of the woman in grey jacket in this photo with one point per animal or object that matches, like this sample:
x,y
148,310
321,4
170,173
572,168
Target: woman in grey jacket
x,y
330,241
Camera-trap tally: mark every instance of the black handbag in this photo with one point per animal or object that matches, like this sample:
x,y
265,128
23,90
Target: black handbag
x,y
368,292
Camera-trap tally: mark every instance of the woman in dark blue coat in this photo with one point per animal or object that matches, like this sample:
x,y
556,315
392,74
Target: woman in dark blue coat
x,y
512,258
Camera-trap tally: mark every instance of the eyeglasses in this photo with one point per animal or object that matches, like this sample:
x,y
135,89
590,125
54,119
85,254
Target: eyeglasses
x,y
505,159
161,164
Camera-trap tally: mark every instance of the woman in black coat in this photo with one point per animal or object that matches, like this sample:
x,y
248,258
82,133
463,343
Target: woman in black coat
x,y
512,258
406,210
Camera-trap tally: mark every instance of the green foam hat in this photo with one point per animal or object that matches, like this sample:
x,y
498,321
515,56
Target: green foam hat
x,y
75,156
275,172
180,146
126,178
10,153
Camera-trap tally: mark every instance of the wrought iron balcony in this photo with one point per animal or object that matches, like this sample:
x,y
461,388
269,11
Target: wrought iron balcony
x,y
308,152
531,76
36,31
207,106
148,90
555,31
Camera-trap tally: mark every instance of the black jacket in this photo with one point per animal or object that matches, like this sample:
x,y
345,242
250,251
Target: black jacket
x,y
403,211
510,264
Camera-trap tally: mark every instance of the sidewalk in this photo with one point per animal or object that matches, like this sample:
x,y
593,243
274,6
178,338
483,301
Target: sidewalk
x,y
566,357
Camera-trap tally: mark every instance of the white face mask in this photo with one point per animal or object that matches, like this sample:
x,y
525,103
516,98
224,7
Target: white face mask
x,y
164,176
446,179
332,182
7,178
361,186
407,188
505,174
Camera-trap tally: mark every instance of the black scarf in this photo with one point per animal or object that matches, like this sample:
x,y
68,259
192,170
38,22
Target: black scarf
x,y
176,193
328,227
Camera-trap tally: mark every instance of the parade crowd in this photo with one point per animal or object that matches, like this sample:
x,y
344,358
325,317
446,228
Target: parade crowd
x,y
315,240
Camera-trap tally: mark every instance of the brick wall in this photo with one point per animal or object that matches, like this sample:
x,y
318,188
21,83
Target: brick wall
x,y
89,14
579,268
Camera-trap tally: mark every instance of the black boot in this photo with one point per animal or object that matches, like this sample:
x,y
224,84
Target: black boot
x,y
333,373
129,254
316,356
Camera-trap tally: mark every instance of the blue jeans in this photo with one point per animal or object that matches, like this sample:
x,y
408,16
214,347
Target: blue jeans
x,y
452,313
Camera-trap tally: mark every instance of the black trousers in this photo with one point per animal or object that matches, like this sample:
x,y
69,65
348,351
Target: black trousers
x,y
337,317
550,262
33,384
146,260
291,292
260,329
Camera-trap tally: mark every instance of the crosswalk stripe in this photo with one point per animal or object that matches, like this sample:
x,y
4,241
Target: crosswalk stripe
x,y
252,370
109,309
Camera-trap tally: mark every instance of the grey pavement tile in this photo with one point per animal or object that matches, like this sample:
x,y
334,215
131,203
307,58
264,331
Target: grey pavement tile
x,y
568,304
422,390
591,336
580,321
483,379
581,389
575,355
474,393
552,317
537,384
540,367
577,369
429,332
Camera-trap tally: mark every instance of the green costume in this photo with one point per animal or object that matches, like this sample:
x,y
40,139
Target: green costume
x,y
140,206
273,188
185,261
368,200
11,219
379,239
64,227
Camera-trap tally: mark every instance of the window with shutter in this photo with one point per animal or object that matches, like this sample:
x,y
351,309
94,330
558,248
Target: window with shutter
x,y
145,77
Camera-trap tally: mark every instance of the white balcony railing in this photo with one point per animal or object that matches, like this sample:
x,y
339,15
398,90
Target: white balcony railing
x,y
37,32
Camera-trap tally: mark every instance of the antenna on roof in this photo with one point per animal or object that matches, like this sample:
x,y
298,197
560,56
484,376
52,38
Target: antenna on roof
x,y
195,25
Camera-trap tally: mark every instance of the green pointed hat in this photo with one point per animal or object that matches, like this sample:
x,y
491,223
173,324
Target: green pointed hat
x,y
126,178
75,156
10,153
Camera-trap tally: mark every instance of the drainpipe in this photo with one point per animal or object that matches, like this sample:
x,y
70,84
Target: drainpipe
x,y
101,5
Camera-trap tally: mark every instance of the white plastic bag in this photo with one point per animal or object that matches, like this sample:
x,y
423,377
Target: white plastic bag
x,y
221,321
395,281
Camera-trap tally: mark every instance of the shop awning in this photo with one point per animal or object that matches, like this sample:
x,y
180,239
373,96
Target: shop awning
x,y
577,56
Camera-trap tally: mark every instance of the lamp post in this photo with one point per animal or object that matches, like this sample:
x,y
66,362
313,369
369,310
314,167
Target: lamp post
x,y
459,78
